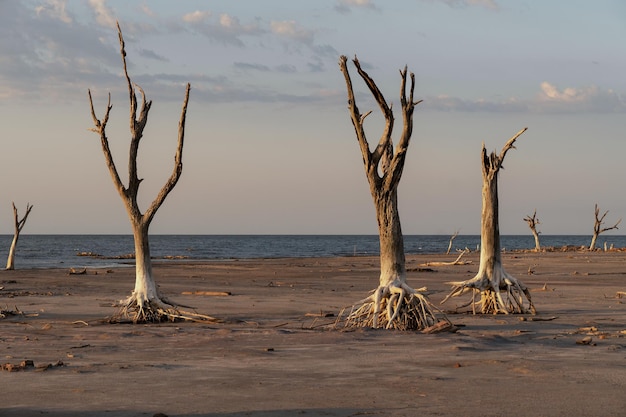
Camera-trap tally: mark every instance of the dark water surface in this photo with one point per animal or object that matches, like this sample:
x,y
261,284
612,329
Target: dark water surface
x,y
44,251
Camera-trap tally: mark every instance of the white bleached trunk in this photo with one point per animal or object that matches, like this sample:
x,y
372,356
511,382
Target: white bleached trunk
x,y
145,286
19,225
11,258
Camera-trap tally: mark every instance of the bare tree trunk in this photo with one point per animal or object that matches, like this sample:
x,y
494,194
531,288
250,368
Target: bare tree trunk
x,y
19,225
492,281
393,305
392,259
532,223
597,227
145,303
145,287
452,240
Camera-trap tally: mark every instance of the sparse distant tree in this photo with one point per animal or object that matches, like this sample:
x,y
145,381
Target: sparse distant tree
x,y
19,225
598,229
393,305
492,281
452,240
146,303
532,223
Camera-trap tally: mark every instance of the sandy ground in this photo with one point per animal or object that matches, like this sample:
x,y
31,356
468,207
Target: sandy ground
x,y
274,357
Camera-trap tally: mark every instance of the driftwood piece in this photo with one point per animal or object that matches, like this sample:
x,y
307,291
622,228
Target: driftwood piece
x,y
457,261
208,293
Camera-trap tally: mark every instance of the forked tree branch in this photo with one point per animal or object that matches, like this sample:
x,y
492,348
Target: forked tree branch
x,y
600,220
19,224
492,162
137,126
532,221
100,128
390,163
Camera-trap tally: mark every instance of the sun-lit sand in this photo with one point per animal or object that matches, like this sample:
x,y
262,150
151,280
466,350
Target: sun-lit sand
x,y
275,356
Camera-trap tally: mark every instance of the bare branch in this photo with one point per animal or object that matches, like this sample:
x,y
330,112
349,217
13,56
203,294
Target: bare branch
x,y
597,227
100,128
178,162
492,162
454,236
383,157
19,224
357,119
407,116
532,221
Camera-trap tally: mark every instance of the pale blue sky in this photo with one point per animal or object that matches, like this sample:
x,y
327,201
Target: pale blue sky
x,y
270,147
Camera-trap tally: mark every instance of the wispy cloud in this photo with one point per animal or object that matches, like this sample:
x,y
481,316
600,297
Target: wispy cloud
x,y
587,99
346,6
197,16
224,29
105,16
549,99
55,9
147,53
487,4
245,66
291,30
294,36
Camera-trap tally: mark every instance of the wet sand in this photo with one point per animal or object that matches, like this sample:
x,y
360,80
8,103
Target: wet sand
x,y
274,354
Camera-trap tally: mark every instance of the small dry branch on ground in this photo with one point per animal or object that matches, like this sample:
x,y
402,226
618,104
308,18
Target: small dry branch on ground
x,y
457,261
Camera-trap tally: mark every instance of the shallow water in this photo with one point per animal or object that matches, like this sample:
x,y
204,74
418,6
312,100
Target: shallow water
x,y
44,251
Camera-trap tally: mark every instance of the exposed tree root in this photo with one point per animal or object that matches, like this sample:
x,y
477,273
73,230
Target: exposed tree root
x,y
508,298
155,311
395,306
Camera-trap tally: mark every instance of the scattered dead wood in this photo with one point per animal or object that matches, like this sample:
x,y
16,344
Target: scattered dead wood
x,y
6,312
28,364
544,288
620,294
538,318
442,326
457,261
73,271
586,341
89,254
208,293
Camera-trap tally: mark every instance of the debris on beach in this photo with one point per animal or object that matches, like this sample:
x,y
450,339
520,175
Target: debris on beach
x,y
28,364
208,293
6,312
586,341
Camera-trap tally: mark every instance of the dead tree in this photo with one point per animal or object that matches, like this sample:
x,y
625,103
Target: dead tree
x,y
393,305
146,303
19,225
499,291
532,223
452,240
598,229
